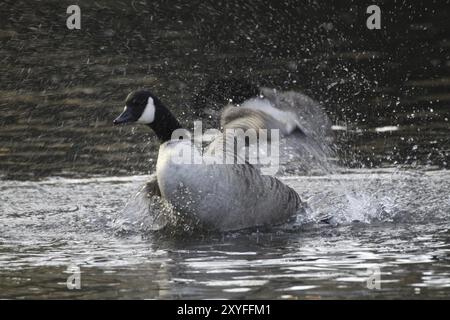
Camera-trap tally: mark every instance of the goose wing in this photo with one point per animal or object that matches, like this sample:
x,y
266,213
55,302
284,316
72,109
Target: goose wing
x,y
255,199
310,116
237,121
304,127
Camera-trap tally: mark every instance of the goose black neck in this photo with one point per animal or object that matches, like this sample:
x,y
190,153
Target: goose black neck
x,y
164,123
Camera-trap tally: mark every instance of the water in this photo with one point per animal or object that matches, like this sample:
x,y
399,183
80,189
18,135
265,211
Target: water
x,y
394,220
62,89
66,174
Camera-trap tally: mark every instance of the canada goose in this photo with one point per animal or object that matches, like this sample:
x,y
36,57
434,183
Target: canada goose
x,y
223,197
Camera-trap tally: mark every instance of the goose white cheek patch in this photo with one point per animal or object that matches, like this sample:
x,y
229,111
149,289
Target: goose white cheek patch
x,y
149,112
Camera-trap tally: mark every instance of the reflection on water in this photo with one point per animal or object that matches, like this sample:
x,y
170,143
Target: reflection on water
x,y
393,220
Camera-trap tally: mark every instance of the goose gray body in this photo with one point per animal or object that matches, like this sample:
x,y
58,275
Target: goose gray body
x,y
223,196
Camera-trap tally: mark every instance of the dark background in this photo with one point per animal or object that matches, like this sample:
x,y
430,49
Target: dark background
x,y
60,89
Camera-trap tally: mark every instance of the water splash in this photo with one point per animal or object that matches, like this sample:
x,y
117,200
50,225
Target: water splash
x,y
142,213
150,214
372,197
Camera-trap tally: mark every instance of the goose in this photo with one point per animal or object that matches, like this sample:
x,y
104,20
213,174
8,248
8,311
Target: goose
x,y
223,197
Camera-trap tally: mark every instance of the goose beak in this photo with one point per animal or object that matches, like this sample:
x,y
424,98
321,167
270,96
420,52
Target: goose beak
x,y
124,117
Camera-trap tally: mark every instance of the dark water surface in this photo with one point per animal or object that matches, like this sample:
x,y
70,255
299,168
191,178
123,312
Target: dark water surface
x,y
66,173
60,89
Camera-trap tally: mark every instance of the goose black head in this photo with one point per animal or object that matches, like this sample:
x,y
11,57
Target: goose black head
x,y
143,107
140,107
